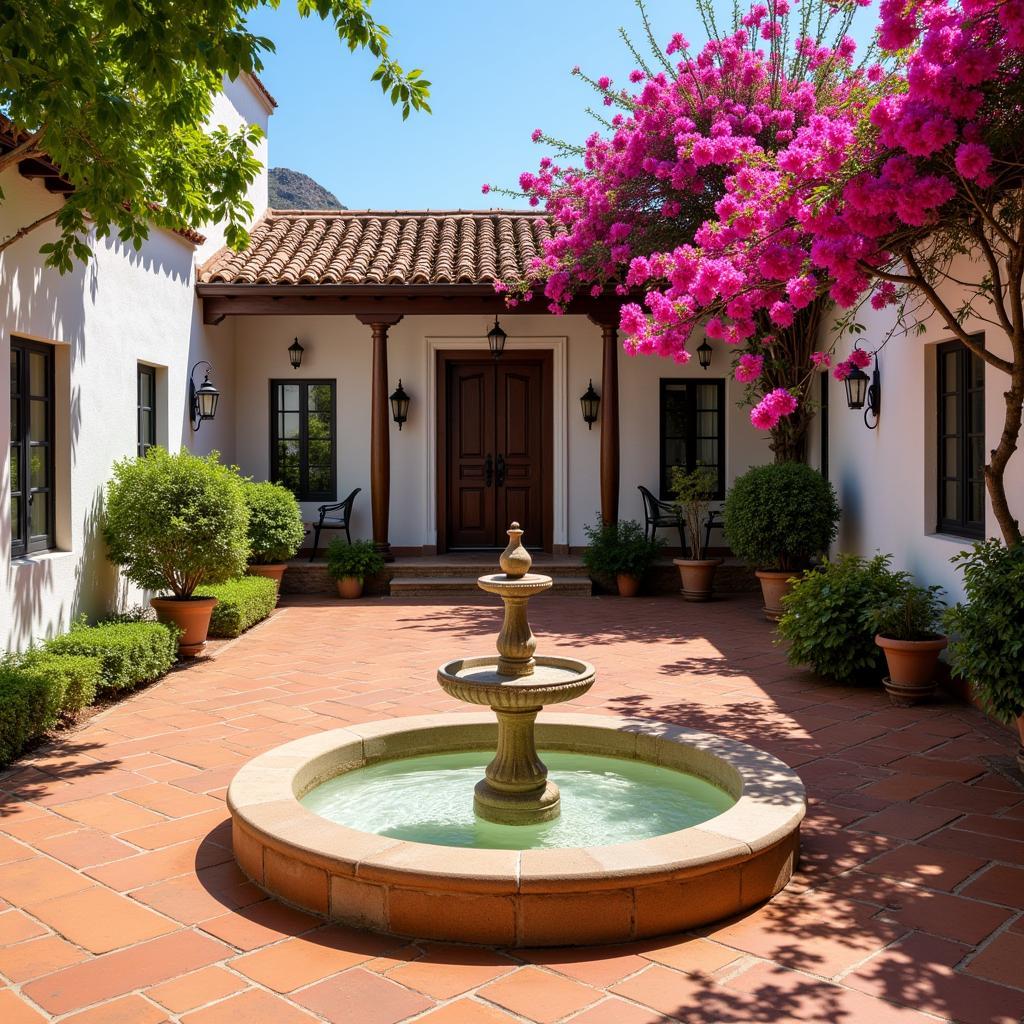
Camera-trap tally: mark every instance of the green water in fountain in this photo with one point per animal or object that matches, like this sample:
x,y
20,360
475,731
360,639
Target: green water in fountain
x,y
605,800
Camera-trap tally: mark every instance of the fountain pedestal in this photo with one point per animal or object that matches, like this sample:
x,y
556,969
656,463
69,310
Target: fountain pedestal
x,y
516,685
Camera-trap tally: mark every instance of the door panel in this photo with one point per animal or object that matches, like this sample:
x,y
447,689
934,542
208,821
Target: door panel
x,y
520,429
470,443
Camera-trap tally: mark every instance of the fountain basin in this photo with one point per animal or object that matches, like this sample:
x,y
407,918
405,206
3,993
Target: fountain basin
x,y
534,897
553,680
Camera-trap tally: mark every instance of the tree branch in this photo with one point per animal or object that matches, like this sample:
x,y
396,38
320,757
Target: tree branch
x,y
22,232
997,281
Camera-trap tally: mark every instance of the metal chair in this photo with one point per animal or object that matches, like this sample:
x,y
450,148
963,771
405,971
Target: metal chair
x,y
334,522
714,522
661,515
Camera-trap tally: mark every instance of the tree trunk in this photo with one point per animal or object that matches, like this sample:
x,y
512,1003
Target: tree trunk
x,y
1000,456
789,438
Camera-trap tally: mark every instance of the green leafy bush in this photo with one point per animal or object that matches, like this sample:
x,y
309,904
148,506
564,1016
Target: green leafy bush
x,y
77,676
912,613
359,559
618,548
987,632
240,604
176,521
780,516
30,703
130,653
275,522
828,616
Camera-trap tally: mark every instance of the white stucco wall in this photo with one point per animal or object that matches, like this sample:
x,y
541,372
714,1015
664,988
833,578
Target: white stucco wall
x,y
102,319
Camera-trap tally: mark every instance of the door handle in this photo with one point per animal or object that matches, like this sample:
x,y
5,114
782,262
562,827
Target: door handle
x,y
488,471
501,470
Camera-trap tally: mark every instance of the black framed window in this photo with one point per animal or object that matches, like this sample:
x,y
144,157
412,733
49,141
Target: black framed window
x,y
32,476
303,438
146,408
692,428
961,442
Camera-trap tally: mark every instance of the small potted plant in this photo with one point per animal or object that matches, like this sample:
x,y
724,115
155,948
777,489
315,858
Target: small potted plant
x,y
173,522
620,551
778,518
350,564
692,492
275,528
907,630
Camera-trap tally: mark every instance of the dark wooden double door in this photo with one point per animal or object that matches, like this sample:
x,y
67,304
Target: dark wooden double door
x,y
497,449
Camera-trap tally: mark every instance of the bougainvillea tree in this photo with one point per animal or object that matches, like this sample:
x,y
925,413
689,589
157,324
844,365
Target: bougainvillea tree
x,y
634,201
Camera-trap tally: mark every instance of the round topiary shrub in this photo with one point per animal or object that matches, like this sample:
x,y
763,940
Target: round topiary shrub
x,y
781,516
175,521
830,616
275,522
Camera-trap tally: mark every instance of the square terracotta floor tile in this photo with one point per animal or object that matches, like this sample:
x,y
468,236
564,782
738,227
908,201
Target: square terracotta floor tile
x,y
907,821
945,915
110,814
380,1001
296,962
252,1007
999,884
444,972
85,848
617,1011
16,926
259,924
196,989
469,1011
187,900
126,1010
27,882
539,995
925,865
14,1009
36,957
670,992
694,956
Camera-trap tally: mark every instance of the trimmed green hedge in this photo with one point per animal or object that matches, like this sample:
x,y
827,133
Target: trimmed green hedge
x,y
36,691
130,652
240,605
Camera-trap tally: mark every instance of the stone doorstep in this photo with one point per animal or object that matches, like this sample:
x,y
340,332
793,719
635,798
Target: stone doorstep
x,y
425,586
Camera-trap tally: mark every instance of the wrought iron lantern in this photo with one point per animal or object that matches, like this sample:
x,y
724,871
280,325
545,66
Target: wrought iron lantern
x,y
295,351
399,405
590,402
202,400
857,382
496,339
863,390
704,353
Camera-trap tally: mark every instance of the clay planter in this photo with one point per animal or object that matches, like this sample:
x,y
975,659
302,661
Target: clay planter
x,y
349,587
912,664
191,615
697,576
774,586
629,586
271,571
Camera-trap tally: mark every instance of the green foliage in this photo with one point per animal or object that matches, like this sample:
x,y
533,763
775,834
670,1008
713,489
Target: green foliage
x,y
618,548
275,522
119,96
692,492
30,704
130,653
780,516
829,616
240,604
987,647
912,613
359,559
176,521
76,676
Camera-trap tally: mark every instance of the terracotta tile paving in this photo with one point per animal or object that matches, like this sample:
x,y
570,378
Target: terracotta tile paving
x,y
120,900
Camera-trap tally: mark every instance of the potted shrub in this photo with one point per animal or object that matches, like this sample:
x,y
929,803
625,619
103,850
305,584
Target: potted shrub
x,y
173,522
907,626
692,492
350,564
275,528
620,551
778,518
987,631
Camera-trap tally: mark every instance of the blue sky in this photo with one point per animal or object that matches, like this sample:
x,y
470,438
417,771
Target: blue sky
x,y
499,69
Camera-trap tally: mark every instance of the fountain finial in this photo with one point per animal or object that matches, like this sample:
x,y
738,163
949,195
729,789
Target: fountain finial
x,y
515,560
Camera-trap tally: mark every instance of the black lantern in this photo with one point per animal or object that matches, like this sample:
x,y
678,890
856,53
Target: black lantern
x,y
496,338
704,352
861,389
590,402
399,404
202,400
295,351
856,388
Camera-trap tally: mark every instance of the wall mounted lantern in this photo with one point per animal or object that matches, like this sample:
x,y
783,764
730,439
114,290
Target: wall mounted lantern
x,y
863,390
496,339
295,351
399,405
202,401
704,353
590,402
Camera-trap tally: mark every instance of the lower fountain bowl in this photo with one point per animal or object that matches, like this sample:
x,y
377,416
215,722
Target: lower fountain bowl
x,y
533,897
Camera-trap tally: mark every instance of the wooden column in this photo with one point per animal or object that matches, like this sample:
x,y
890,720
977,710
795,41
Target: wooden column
x,y
380,431
609,418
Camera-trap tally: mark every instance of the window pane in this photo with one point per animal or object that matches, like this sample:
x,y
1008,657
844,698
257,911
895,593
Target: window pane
x,y
288,464
288,425
39,427
950,408
319,397
37,379
38,474
16,519
145,427
146,387
707,424
977,371
15,372
39,525
319,479
976,512
951,449
707,452
951,499
15,419
288,397
320,424
319,453
707,396
15,467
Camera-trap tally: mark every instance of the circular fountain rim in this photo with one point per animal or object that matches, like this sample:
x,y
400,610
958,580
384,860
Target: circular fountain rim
x,y
738,858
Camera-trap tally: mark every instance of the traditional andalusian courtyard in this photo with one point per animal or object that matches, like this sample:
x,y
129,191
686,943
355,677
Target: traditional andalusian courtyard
x,y
120,900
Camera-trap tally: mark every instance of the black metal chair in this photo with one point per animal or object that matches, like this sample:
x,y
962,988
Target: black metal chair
x,y
340,521
714,522
661,515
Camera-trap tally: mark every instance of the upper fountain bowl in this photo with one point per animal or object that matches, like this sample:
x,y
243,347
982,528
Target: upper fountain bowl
x,y
553,680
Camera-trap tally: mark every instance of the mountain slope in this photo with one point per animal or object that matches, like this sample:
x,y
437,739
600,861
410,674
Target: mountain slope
x,y
293,190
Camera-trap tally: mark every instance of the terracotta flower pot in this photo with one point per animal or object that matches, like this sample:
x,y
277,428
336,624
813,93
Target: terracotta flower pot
x,y
349,587
697,576
774,586
912,663
270,571
629,586
191,615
